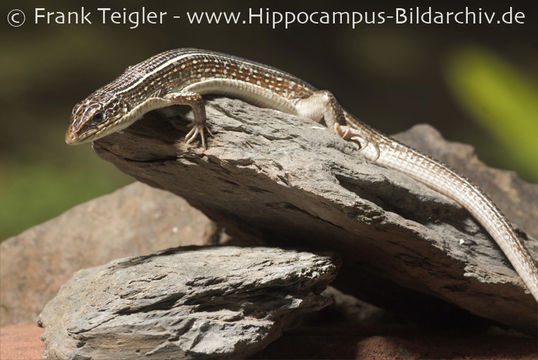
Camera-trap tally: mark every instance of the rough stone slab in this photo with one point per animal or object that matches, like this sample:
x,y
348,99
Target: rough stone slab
x,y
184,303
134,220
272,176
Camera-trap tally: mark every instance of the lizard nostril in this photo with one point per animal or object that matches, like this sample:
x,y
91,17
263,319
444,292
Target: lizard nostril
x,y
70,137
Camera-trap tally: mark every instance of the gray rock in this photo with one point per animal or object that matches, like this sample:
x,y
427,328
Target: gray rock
x,y
272,176
132,221
184,303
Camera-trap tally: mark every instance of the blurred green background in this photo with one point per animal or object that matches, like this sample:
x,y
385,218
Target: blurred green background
x,y
476,84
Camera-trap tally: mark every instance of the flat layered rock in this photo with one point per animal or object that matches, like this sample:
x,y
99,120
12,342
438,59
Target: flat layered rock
x,y
185,303
276,177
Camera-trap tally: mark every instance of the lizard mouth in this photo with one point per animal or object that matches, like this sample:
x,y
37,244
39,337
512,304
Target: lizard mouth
x,y
72,138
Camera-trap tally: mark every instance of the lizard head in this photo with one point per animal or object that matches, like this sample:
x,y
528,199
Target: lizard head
x,y
94,117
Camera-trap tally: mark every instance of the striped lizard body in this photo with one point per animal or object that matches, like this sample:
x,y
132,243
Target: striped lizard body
x,y
181,77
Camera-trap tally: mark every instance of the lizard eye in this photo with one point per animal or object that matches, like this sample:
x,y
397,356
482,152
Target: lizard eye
x,y
92,123
97,118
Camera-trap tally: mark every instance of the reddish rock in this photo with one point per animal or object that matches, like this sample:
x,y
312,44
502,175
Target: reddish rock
x,y
21,342
322,340
134,220
353,329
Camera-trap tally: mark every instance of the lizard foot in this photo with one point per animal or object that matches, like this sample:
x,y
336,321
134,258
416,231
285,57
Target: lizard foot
x,y
198,130
369,148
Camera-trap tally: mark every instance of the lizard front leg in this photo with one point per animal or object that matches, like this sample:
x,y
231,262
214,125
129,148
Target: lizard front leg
x,y
196,102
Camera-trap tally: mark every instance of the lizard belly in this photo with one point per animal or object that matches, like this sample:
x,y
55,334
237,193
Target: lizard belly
x,y
254,94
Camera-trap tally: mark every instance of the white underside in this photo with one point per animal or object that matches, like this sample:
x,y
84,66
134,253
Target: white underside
x,y
254,94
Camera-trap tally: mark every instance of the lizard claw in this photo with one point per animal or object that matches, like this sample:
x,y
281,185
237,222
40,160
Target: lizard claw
x,y
346,133
364,144
198,131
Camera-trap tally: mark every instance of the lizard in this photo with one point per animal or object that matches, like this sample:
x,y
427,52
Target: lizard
x,y
182,76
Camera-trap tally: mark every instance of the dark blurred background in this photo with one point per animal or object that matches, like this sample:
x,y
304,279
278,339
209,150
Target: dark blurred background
x,y
475,83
